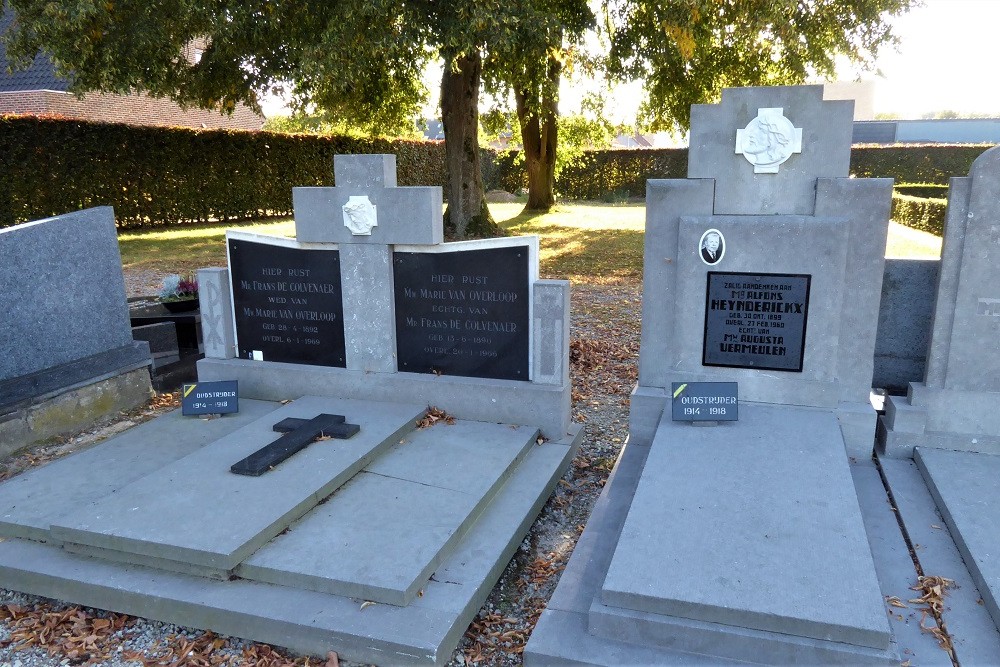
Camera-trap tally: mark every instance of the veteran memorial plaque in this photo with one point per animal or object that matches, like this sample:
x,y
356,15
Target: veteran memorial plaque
x,y
287,303
756,320
463,312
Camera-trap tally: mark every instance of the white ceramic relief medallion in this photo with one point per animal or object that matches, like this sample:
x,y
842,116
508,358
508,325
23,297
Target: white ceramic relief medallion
x,y
768,140
359,215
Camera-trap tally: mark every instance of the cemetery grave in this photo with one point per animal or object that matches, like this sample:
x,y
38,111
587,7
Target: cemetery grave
x,y
940,444
335,512
768,539
329,490
67,354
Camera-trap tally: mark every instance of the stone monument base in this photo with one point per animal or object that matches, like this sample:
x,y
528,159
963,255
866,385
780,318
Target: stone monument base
x,y
70,397
419,521
929,417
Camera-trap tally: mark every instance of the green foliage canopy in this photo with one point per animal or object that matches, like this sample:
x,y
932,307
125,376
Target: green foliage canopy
x,y
687,51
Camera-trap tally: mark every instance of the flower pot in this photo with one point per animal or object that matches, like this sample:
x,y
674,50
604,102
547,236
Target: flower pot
x,y
181,305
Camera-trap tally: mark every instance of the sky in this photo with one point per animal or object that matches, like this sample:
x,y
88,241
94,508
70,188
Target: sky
x,y
948,59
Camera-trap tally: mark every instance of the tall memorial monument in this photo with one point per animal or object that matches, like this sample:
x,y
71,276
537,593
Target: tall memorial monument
x,y
719,539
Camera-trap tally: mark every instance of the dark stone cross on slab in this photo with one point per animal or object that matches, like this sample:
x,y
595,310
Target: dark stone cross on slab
x,y
298,433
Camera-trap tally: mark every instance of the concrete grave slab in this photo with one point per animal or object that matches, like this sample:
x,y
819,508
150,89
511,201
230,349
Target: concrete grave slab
x,y
776,490
382,535
897,573
564,635
156,516
966,490
423,633
973,633
30,502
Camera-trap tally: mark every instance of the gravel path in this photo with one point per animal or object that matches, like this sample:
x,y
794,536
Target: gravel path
x,y
35,632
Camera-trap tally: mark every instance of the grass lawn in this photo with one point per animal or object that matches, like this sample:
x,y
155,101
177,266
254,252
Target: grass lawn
x,y
584,241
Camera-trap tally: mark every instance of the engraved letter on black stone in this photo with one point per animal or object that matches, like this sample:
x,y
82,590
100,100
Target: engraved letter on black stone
x,y
298,433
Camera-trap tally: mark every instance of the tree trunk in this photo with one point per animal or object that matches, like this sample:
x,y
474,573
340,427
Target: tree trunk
x,y
537,114
467,214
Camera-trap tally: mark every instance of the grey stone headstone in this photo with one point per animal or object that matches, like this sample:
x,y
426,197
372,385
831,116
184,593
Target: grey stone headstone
x,y
800,216
409,224
826,148
772,254
957,406
62,293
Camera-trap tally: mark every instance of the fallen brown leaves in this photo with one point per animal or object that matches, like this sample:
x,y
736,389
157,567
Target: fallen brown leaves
x,y
934,590
167,400
433,416
73,633
543,567
494,634
83,638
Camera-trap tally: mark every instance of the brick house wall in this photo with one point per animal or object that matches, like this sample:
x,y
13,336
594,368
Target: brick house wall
x,y
139,109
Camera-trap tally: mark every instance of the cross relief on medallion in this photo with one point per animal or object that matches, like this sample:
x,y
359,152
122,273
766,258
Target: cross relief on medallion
x,y
768,140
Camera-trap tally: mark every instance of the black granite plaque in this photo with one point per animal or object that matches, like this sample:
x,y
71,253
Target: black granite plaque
x,y
756,320
705,401
463,312
288,303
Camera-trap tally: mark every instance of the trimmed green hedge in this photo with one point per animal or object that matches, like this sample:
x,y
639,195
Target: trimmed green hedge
x,y
915,163
925,190
154,175
157,175
598,174
927,215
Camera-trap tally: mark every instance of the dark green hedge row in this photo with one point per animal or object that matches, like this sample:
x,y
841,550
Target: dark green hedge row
x,y
924,190
599,174
915,163
927,215
174,175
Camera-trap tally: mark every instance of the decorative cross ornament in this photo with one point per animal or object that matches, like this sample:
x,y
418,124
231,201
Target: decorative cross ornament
x,y
768,140
298,433
360,215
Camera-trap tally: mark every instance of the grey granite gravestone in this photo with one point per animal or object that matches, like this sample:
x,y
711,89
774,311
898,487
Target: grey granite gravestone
x,y
416,312
66,350
714,544
957,406
950,423
416,515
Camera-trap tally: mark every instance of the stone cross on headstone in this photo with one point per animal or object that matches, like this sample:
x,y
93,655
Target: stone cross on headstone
x,y
366,214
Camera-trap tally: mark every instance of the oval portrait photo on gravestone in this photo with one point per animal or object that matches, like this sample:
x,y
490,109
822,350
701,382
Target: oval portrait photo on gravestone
x,y
712,247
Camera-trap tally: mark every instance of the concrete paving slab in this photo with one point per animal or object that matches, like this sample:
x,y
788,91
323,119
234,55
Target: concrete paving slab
x,y
776,490
969,624
562,635
560,639
381,536
895,568
422,633
728,642
196,511
966,490
466,456
30,501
